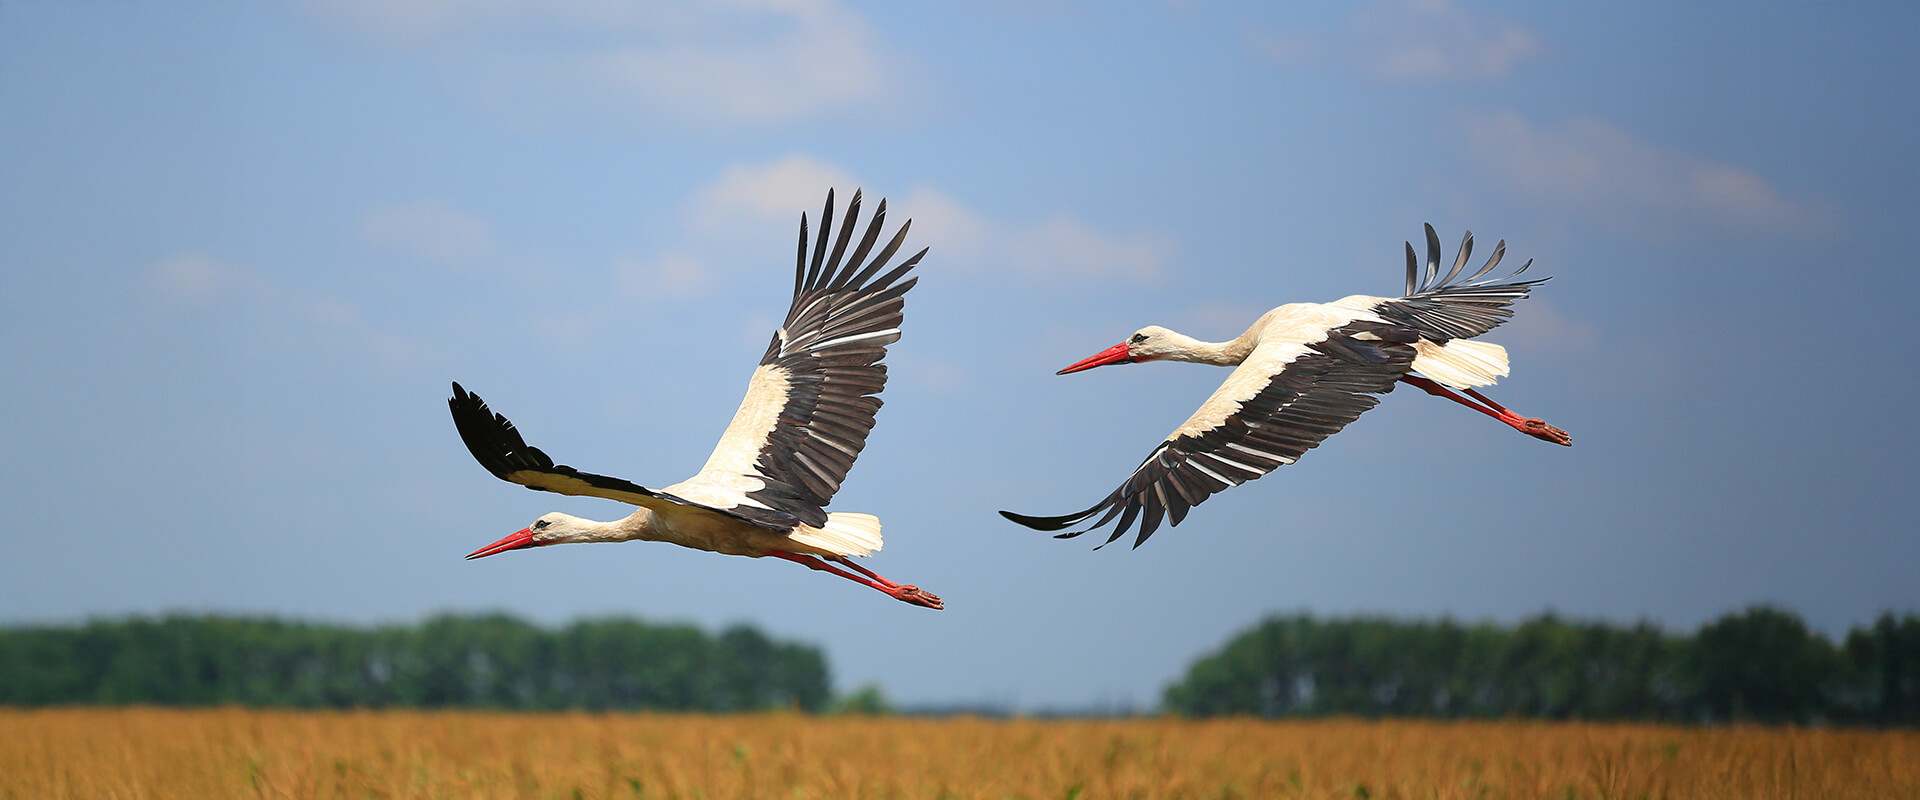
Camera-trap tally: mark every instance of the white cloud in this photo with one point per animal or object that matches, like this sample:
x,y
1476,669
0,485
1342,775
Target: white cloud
x,y
746,199
343,322
820,60
1062,247
199,279
1587,166
1411,40
1066,246
272,319
424,21
721,62
673,276
430,231
754,195
945,224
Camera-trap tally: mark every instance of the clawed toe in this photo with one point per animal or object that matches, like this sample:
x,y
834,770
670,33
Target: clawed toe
x,y
1539,429
918,597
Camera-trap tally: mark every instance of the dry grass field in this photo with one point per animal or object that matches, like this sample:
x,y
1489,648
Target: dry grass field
x,y
104,754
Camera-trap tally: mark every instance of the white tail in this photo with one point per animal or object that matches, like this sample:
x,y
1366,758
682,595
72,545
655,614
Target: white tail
x,y
845,534
1461,364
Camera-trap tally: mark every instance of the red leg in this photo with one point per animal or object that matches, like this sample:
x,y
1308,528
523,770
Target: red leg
x,y
901,592
1529,426
852,565
1470,392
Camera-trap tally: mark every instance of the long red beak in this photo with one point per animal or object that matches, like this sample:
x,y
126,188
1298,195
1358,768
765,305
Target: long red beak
x,y
1117,354
514,541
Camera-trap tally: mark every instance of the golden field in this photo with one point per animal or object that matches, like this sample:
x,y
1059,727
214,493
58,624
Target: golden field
x,y
106,754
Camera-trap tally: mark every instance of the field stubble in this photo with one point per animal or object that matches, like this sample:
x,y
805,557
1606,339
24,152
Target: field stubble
x,y
238,753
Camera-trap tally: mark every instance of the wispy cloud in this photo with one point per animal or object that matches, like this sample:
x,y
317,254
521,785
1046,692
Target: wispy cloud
x,y
204,285
752,194
197,279
1066,246
749,211
431,231
1409,40
1062,246
671,276
727,62
1584,165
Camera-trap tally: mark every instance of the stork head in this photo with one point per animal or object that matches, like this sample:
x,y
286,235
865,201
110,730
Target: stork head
x,y
554,528
1146,344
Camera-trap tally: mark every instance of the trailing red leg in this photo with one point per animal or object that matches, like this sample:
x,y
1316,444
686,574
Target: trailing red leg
x,y
1530,426
902,592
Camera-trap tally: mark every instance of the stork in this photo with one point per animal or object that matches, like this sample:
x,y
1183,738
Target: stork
x,y
806,416
1301,373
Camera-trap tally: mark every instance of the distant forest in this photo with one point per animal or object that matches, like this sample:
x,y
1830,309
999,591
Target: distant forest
x,y
449,661
1762,664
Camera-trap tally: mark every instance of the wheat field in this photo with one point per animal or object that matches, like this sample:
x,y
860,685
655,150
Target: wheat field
x,y
236,753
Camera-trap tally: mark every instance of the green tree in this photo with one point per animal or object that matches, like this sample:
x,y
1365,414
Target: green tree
x,y
1545,666
1883,667
868,700
1762,664
450,660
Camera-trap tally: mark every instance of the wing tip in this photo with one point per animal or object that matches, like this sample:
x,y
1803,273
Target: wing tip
x,y
1430,279
1034,522
1049,524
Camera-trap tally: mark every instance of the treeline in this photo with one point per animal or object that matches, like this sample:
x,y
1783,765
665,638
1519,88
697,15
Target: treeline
x,y
1762,664
488,661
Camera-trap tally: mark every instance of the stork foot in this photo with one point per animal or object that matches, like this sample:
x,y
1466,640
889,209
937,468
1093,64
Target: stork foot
x,y
1544,432
898,591
916,596
1529,426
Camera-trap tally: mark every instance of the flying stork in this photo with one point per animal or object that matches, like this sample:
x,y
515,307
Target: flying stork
x,y
1305,370
806,416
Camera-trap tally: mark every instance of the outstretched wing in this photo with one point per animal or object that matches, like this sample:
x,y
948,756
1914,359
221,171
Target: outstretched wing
x,y
811,402
497,445
1443,308
1261,419
1257,421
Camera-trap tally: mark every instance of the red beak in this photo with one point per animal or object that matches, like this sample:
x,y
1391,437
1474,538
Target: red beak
x,y
514,541
1117,354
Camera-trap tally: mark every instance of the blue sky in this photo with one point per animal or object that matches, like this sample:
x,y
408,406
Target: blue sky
x,y
246,247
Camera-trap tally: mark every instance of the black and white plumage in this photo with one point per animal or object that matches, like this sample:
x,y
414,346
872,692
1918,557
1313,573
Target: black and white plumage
x,y
1303,371
808,410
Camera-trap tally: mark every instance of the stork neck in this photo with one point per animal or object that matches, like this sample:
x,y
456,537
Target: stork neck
x,y
577,530
1220,354
641,524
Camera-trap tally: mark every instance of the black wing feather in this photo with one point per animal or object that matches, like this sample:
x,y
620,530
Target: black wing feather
x,y
1312,399
1442,309
498,446
829,349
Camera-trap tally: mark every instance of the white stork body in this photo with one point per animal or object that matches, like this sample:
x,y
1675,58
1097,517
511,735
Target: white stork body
x,y
806,416
1301,373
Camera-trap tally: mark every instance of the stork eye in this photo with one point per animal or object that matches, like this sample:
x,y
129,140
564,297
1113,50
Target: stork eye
x,y
1137,338
540,524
